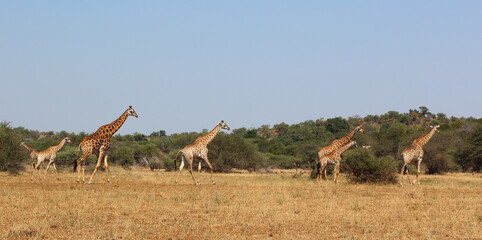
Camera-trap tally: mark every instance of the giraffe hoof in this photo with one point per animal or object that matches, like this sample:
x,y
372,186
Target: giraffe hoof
x,y
198,183
214,183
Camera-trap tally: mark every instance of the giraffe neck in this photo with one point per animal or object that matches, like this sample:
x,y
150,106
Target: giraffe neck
x,y
116,124
60,145
27,147
210,136
424,139
345,147
349,136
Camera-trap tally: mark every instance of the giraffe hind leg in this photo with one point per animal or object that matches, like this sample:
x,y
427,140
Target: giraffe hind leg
x,y
106,166
181,166
80,164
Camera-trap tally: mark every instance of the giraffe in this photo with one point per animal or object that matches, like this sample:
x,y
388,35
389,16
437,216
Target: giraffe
x,y
334,158
199,150
33,154
99,143
415,151
50,154
337,143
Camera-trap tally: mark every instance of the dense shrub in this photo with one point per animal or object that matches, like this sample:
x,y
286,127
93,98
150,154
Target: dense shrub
x,y
362,166
12,155
122,155
232,151
469,152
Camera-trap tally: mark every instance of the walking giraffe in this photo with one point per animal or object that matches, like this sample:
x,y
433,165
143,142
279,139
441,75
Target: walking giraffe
x,y
337,143
334,158
50,154
199,150
415,151
33,154
99,143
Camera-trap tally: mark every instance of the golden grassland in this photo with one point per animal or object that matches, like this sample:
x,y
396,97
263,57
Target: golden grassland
x,y
142,204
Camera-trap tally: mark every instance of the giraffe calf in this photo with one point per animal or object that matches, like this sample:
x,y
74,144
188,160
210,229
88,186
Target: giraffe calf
x,y
49,154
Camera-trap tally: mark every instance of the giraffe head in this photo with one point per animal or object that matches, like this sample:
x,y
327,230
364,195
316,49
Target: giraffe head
x,y
436,127
359,128
66,139
224,125
131,112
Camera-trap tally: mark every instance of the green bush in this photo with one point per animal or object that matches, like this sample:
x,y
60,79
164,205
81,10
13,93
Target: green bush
x,y
155,164
122,155
361,166
11,153
228,151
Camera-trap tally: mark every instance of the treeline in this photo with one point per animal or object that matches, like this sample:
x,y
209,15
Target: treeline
x,y
458,146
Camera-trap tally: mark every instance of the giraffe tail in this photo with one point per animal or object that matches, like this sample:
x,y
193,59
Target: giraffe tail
x,y
75,160
175,159
405,170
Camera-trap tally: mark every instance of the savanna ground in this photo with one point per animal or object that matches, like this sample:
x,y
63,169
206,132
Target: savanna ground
x,y
142,204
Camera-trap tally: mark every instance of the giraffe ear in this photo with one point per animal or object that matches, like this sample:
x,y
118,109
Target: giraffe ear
x,y
431,126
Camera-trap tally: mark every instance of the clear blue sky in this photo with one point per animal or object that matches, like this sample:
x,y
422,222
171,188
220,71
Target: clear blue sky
x,y
186,65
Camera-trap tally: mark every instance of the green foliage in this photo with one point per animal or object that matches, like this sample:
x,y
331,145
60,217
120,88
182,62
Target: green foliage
x,y
11,153
122,155
456,147
362,166
469,152
281,161
228,151
336,125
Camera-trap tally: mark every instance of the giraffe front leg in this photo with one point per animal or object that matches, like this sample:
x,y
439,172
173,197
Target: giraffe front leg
x,y
47,170
401,175
97,166
212,170
55,168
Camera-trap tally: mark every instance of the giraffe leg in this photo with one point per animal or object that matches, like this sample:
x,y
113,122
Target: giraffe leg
x,y
37,166
199,170
211,167
97,166
80,164
193,178
408,176
106,166
48,166
181,165
335,173
418,172
83,173
55,168
326,177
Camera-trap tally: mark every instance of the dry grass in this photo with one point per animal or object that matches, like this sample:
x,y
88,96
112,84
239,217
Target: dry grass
x,y
141,204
